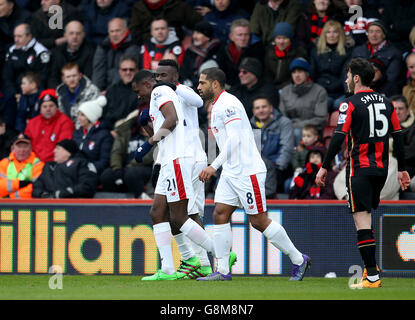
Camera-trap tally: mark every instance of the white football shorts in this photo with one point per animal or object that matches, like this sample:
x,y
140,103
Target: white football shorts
x,y
247,192
197,203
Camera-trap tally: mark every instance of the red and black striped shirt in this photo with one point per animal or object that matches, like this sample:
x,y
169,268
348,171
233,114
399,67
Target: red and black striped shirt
x,y
367,118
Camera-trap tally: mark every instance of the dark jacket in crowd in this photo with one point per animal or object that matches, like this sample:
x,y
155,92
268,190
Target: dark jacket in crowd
x,y
121,101
6,141
328,70
247,95
40,24
229,66
27,109
277,70
391,58
33,57
221,20
177,13
7,25
96,144
107,60
75,178
84,58
96,19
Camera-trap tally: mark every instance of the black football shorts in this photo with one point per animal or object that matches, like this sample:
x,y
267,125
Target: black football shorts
x,y
364,192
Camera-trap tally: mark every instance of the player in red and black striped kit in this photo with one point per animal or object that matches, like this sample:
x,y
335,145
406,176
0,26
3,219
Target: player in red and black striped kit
x,y
366,120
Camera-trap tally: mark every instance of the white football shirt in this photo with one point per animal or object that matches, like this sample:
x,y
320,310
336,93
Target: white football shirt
x,y
230,125
175,143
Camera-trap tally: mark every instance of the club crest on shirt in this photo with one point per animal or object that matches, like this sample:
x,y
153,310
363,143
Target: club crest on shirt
x,y
69,163
30,59
229,112
91,145
342,118
53,137
343,107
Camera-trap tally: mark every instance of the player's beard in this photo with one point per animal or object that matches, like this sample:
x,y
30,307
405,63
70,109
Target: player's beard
x,y
207,96
350,87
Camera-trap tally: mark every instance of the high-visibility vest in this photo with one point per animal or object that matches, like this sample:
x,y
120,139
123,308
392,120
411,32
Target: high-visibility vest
x,y
25,174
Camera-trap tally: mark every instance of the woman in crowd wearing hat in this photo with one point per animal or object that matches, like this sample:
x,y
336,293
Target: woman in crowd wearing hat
x,y
279,55
94,140
327,62
70,175
303,101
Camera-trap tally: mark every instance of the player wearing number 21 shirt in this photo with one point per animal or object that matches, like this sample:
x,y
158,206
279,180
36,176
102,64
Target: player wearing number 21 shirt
x,y
242,181
366,119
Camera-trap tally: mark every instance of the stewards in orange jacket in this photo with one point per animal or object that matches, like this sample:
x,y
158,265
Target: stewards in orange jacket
x,y
19,170
49,127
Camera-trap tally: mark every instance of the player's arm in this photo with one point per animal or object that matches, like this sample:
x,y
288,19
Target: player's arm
x,y
190,96
169,124
233,127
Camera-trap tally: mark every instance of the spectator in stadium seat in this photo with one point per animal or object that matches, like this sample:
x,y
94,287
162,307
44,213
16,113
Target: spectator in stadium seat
x,y
75,89
108,54
121,98
76,49
7,136
97,15
241,44
409,89
204,48
328,60
279,54
303,101
379,83
28,100
27,54
267,14
177,13
11,15
163,41
277,143
41,20
91,138
124,173
407,120
252,84
19,170
222,15
380,48
69,175
49,127
312,21
305,186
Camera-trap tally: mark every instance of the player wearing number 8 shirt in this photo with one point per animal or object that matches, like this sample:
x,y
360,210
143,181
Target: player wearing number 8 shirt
x,y
366,120
242,181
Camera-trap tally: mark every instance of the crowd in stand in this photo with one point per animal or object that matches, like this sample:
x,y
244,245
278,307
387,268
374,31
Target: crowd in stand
x,y
69,115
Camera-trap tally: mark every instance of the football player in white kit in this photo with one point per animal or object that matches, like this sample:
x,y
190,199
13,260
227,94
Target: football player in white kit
x,y
174,186
242,181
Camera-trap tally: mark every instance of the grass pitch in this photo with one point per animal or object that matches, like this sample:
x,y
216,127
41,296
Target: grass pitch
x,y
29,287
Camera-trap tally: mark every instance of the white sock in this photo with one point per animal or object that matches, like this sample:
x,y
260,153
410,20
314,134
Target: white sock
x,y
162,234
373,278
198,235
277,235
222,235
201,254
183,244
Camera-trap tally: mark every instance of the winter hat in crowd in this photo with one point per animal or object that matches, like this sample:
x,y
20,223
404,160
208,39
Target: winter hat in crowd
x,y
93,109
69,145
205,28
380,24
283,29
48,95
252,65
300,63
376,62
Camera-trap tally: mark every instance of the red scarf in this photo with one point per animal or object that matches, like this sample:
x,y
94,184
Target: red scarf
x,y
281,54
116,46
317,25
373,50
155,6
234,52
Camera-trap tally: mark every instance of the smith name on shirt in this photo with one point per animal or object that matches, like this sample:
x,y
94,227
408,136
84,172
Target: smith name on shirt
x,y
372,97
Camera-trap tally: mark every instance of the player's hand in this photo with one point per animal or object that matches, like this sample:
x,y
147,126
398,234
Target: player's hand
x,y
404,179
142,151
144,118
321,177
206,173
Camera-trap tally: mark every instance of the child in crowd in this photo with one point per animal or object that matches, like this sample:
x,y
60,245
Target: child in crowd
x,y
28,104
305,186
